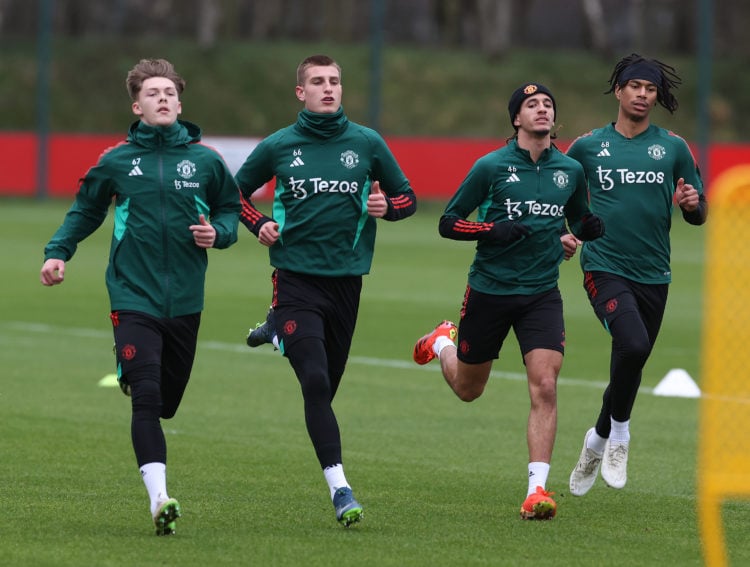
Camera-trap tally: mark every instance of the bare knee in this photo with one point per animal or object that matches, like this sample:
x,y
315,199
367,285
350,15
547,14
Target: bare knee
x,y
469,394
542,368
543,392
469,380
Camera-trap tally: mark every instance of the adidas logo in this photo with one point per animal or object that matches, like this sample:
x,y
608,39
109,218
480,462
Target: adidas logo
x,y
513,178
135,171
297,162
603,153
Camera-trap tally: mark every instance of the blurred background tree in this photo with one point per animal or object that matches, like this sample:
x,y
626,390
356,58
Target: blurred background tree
x,y
446,64
491,26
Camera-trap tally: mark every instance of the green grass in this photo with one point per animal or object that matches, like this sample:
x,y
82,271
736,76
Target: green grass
x,y
441,481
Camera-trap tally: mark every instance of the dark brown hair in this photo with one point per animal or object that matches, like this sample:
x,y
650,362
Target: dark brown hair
x,y
148,68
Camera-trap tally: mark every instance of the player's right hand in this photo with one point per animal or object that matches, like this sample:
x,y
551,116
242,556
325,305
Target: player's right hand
x,y
53,272
509,232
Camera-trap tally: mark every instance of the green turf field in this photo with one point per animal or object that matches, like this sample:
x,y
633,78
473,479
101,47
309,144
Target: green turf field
x,y
441,480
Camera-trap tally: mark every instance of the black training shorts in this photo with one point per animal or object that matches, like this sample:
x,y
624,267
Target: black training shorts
x,y
486,320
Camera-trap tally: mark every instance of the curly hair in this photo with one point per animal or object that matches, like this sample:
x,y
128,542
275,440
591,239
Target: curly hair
x,y
668,78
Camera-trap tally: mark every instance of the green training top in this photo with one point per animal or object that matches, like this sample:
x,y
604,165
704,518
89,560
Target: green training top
x,y
506,185
324,167
631,184
161,180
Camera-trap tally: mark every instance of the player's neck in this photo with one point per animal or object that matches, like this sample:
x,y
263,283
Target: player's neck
x,y
535,144
631,128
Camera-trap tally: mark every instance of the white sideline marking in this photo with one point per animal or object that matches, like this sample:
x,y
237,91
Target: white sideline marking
x,y
43,328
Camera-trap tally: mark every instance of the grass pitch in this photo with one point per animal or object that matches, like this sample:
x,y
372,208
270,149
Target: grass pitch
x,y
441,481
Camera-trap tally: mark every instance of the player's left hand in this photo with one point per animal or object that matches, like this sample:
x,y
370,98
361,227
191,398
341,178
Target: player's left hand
x,y
592,227
203,233
570,244
377,204
686,196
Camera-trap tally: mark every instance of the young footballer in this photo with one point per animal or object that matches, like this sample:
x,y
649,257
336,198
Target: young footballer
x,y
523,194
334,179
173,199
635,172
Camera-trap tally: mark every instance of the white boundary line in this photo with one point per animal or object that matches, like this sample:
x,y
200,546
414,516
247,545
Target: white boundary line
x,y
43,328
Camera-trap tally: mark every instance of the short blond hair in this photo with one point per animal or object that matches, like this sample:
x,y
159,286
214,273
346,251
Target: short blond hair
x,y
314,61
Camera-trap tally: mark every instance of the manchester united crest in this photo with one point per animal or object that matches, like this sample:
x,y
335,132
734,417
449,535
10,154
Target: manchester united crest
x,y
560,178
349,159
656,151
186,169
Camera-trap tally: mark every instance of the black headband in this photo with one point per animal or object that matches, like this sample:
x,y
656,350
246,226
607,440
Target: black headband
x,y
643,70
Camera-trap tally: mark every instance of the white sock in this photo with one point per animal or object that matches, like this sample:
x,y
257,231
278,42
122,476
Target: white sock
x,y
620,431
596,443
335,478
538,473
440,343
155,478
